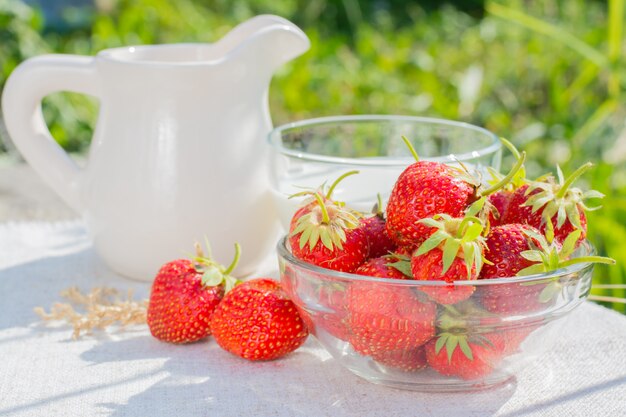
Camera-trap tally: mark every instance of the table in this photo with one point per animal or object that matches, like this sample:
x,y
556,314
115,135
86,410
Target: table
x,y
44,372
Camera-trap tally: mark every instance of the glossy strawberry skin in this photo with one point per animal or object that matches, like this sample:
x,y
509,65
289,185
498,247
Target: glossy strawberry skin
x,y
423,190
353,253
486,356
180,307
384,318
518,213
375,230
378,267
504,245
257,321
428,267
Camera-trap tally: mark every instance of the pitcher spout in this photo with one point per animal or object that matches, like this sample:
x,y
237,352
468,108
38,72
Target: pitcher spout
x,y
266,40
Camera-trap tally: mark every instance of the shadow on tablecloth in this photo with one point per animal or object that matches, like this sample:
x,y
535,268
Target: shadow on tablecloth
x,y
202,379
39,284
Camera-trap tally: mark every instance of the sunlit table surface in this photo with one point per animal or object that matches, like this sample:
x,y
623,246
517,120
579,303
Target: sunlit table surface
x,y
128,373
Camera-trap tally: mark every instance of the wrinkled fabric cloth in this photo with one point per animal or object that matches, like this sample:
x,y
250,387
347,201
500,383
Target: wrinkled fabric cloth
x,y
129,373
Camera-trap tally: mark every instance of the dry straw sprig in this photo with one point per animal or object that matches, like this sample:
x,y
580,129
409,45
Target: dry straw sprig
x,y
99,309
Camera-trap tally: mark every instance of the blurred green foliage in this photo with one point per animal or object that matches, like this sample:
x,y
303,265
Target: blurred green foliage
x,y
547,74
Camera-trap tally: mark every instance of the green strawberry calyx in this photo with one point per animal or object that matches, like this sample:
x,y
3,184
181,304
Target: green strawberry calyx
x,y
560,198
400,262
327,220
548,256
213,273
456,237
455,331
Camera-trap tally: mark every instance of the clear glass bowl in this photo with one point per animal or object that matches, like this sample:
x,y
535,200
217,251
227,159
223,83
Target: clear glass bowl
x,y
515,317
311,152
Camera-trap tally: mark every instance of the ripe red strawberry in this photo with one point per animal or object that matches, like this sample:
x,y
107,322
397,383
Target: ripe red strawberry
x,y
452,253
388,266
384,318
505,244
375,229
543,257
423,190
184,295
426,189
327,234
465,355
549,201
376,233
405,250
428,267
257,321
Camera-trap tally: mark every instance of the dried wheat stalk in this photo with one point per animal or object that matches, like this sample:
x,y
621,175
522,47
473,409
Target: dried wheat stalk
x,y
99,309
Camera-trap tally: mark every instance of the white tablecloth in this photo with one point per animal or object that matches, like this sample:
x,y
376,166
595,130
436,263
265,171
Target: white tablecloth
x,y
44,372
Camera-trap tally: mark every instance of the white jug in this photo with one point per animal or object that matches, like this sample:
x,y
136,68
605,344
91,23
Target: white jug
x,y
179,152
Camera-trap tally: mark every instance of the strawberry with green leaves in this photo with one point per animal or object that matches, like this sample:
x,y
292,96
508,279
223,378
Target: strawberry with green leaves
x,y
454,252
258,321
556,202
326,233
462,351
425,189
184,295
504,245
387,266
537,255
465,356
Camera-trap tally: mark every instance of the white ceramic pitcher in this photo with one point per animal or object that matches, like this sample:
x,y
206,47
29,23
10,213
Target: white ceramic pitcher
x,y
179,152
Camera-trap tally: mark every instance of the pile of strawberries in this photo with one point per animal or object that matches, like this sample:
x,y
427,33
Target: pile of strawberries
x,y
442,224
194,298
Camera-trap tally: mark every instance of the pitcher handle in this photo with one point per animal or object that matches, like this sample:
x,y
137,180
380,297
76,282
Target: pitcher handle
x,y
28,84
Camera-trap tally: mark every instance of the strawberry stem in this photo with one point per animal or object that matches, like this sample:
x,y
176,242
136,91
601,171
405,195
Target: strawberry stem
x,y
199,251
464,223
337,181
568,182
235,261
504,181
378,208
325,216
510,147
411,148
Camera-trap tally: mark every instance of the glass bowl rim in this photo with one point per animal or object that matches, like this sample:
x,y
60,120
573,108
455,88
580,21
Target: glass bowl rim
x,y
576,269
276,133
